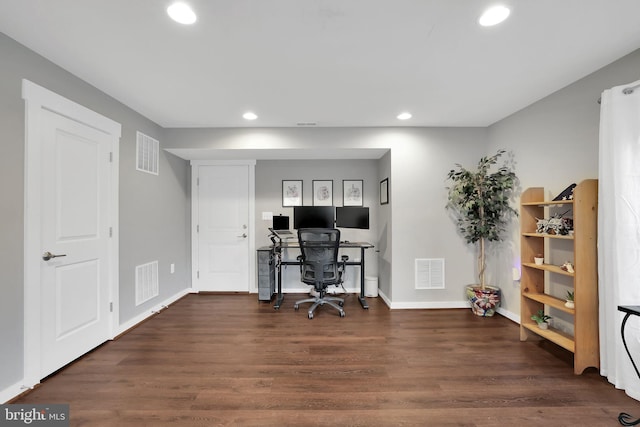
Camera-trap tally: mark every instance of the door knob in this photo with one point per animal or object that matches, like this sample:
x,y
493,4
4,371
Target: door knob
x,y
244,235
48,255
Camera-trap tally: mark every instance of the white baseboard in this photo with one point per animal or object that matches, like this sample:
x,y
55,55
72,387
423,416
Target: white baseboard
x,y
509,315
12,392
156,309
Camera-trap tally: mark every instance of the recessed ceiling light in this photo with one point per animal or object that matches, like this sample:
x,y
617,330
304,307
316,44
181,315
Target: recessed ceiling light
x,y
404,116
249,116
182,13
493,16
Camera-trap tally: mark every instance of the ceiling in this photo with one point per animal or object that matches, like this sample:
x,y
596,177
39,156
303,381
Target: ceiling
x,y
326,62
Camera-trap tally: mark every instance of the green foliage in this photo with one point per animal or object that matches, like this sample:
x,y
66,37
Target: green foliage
x,y
569,296
540,317
480,202
480,199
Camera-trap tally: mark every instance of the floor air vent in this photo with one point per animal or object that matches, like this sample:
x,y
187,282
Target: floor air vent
x,y
146,282
430,273
147,153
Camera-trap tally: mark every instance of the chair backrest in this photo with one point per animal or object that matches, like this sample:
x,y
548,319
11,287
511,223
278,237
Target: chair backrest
x,y
319,247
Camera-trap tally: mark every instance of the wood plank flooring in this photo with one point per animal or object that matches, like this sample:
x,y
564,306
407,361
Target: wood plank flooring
x,y
229,360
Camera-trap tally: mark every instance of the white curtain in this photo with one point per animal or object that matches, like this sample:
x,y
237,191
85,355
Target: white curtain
x,y
619,233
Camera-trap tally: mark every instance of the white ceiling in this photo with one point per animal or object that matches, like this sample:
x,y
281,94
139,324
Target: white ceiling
x,y
328,62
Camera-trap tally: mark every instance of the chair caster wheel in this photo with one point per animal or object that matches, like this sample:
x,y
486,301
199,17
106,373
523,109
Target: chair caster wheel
x,y
295,307
342,314
341,303
310,315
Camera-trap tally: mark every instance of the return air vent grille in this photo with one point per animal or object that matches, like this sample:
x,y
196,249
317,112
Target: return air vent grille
x,y
430,273
146,282
147,153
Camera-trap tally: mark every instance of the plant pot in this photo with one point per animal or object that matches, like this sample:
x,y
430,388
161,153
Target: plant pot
x,y
483,302
570,304
538,261
543,325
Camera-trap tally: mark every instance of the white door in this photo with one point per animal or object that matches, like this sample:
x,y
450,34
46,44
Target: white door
x,y
75,283
70,247
223,229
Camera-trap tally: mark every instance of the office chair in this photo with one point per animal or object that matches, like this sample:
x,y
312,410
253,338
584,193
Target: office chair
x,y
319,266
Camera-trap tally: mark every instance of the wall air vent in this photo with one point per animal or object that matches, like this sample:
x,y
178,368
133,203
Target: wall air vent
x,y
306,124
146,282
430,273
147,153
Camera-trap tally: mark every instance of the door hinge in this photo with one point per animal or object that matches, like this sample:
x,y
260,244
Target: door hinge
x,y
197,228
111,157
198,181
111,307
197,274
110,231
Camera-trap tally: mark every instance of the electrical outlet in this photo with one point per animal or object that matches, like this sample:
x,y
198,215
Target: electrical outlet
x,y
267,216
172,268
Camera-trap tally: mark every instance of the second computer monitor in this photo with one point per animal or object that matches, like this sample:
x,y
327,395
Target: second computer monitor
x,y
352,217
313,217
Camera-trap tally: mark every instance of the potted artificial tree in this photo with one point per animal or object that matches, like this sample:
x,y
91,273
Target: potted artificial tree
x,y
479,200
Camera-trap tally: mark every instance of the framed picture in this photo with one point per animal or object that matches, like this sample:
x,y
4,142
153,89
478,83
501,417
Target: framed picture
x,y
352,192
384,191
323,193
292,192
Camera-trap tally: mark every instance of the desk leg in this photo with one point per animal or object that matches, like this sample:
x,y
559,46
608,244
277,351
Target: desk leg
x,y
624,418
363,302
279,296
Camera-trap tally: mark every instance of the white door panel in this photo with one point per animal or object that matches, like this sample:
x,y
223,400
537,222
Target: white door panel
x,y
75,289
223,228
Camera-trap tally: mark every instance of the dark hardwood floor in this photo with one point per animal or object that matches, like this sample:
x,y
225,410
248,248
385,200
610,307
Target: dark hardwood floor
x,y
221,360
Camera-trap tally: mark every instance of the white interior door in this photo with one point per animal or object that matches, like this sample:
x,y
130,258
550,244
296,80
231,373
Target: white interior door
x,y
75,230
71,215
223,228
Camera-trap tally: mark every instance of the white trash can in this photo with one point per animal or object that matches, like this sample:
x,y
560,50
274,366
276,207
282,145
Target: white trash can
x,y
370,286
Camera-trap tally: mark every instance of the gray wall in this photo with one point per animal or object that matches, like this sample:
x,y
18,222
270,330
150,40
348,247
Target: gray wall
x,y
555,142
154,213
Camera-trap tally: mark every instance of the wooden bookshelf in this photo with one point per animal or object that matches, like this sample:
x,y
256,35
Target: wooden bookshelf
x,y
585,341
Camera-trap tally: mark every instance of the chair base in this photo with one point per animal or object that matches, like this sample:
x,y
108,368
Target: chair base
x,y
318,301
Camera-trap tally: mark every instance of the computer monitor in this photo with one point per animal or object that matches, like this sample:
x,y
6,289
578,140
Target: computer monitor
x,y
280,222
313,217
352,217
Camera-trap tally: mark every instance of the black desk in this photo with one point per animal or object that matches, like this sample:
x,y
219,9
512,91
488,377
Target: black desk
x,y
287,244
629,310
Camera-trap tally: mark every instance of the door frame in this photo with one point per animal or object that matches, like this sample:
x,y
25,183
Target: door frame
x,y
38,99
195,205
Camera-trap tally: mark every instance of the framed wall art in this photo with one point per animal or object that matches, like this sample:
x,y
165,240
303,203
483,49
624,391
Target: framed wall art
x,y
292,192
352,192
323,192
384,191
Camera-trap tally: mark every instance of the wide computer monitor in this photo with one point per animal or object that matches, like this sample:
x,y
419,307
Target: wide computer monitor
x,y
352,217
313,217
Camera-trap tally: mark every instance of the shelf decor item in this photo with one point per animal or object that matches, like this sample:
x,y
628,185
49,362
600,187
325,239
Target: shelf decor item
x,y
569,300
541,319
479,200
538,259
